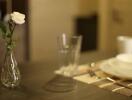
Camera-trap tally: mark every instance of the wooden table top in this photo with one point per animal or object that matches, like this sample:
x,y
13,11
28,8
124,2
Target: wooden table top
x,y
36,75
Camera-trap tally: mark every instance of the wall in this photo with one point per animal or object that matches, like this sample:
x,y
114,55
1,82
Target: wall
x,y
104,24
115,19
49,18
88,7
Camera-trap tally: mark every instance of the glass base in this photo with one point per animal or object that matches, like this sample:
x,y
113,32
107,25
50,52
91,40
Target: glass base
x,y
61,84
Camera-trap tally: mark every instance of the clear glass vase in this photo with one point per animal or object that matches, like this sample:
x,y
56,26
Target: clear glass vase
x,y
10,75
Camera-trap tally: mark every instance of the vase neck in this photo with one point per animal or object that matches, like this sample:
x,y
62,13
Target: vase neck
x,y
9,53
9,50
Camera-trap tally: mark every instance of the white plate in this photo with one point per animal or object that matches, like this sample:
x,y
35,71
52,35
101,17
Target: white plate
x,y
116,70
125,58
116,63
120,65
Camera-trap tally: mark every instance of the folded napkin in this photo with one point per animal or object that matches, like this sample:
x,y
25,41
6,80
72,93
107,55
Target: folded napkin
x,y
71,70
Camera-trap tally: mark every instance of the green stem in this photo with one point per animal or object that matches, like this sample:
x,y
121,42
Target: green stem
x,y
12,28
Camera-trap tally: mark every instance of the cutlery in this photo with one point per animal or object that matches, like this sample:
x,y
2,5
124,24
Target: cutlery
x,y
118,82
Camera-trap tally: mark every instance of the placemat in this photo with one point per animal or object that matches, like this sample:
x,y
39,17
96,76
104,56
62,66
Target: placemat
x,y
102,82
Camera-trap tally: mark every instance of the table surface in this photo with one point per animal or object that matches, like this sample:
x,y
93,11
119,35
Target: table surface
x,y
36,75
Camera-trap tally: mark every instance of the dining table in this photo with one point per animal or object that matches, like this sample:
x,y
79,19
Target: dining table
x,y
34,77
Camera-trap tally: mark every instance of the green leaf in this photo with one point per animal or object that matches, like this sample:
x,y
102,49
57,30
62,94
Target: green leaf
x,y
8,34
3,27
10,45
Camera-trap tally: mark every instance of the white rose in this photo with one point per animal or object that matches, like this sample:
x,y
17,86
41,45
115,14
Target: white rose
x,y
17,17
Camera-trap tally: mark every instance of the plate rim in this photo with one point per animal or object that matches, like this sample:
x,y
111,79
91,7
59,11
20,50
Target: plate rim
x,y
105,63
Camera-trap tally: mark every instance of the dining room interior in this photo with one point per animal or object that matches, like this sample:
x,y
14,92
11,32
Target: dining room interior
x,y
98,21
103,70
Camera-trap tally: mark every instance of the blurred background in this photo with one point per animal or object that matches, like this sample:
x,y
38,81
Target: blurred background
x,y
98,21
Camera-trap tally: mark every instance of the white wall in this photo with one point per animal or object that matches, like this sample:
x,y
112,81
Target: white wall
x,y
88,7
49,18
115,19
104,24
